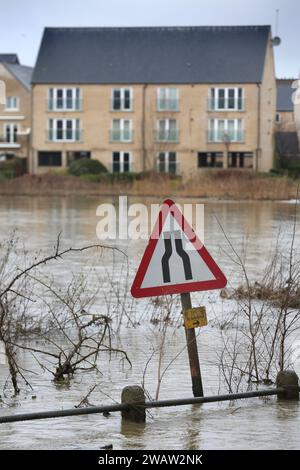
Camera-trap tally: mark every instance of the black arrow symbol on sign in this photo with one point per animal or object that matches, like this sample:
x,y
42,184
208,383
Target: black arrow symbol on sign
x,y
180,251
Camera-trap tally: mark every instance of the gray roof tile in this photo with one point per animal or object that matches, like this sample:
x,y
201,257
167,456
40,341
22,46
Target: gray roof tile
x,y
284,97
152,55
9,58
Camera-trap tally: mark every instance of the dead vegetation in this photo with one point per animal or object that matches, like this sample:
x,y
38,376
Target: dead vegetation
x,y
220,184
55,321
264,319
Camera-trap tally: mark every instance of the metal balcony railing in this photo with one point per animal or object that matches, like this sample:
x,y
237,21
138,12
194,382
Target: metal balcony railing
x,y
167,104
117,135
222,136
64,104
168,167
171,135
64,135
226,104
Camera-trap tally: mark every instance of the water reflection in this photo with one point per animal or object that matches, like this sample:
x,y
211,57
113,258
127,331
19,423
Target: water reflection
x,y
250,424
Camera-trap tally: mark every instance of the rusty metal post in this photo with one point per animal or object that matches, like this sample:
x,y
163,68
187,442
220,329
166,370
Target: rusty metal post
x,y
192,351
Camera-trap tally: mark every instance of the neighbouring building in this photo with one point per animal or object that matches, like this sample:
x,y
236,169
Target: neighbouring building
x,y
286,128
169,99
15,108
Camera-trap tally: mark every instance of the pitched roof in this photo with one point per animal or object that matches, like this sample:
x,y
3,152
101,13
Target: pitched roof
x,y
21,73
9,58
284,95
229,54
287,143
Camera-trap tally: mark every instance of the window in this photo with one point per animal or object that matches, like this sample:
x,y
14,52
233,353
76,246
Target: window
x,y
12,103
64,99
49,158
121,130
167,163
222,130
121,162
122,99
10,133
210,159
167,130
167,99
226,99
64,130
278,118
240,160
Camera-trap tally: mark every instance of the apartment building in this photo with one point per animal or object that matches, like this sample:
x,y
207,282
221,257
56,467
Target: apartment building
x,y
287,129
175,100
15,107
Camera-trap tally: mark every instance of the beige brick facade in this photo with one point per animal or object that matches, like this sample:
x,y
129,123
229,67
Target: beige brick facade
x,y
20,117
192,122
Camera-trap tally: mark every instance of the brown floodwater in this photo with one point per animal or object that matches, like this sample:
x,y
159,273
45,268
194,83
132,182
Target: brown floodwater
x,y
252,227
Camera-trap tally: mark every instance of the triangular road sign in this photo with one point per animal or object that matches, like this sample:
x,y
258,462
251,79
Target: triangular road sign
x,y
175,261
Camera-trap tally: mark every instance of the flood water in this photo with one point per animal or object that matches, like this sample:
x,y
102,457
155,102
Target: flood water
x,y
245,424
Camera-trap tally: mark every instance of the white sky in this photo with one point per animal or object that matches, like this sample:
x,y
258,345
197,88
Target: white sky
x,y
22,21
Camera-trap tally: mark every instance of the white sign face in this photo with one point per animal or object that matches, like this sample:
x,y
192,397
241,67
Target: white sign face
x,y
175,261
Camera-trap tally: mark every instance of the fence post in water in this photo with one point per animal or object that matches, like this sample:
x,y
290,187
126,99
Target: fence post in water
x,y
131,395
289,381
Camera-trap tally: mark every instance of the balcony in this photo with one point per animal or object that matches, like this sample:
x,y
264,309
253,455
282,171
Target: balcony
x,y
120,135
8,144
168,167
171,135
226,104
236,136
64,135
167,105
68,104
121,104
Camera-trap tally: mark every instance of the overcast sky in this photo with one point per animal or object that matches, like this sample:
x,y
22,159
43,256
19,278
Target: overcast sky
x,y
23,21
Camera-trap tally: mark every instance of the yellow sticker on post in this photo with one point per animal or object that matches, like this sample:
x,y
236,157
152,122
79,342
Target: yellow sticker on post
x,y
195,317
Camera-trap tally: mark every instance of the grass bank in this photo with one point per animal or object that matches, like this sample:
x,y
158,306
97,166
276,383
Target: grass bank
x,y
240,185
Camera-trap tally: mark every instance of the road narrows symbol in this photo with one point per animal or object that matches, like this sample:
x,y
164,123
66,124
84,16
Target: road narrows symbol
x,y
175,261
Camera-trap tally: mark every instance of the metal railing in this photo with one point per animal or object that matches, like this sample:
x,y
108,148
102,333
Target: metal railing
x,y
64,104
168,167
144,405
171,135
226,104
64,135
167,104
118,135
219,136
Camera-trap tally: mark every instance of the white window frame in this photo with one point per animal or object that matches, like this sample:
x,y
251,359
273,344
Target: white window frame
x,y
64,130
122,99
17,101
167,129
167,91
122,130
214,101
11,125
213,126
166,162
64,98
121,162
